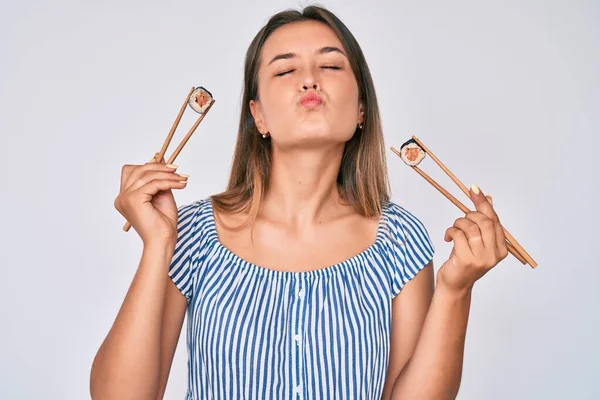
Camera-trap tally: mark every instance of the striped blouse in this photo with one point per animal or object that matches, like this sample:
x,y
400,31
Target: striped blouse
x,y
258,333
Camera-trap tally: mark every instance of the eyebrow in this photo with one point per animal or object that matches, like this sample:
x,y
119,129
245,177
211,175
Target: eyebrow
x,y
322,50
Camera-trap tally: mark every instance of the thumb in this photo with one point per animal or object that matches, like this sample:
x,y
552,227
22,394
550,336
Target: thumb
x,y
477,196
482,204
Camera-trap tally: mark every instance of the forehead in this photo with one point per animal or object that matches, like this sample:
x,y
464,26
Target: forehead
x,y
299,37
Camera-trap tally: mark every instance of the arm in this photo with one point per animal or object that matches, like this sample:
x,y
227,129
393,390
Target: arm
x,y
134,359
435,369
409,309
172,320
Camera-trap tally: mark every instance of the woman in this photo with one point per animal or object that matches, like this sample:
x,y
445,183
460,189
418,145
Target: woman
x,y
302,279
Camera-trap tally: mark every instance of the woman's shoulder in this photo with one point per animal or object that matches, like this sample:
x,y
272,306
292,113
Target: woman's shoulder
x,y
402,223
195,217
202,205
398,213
407,244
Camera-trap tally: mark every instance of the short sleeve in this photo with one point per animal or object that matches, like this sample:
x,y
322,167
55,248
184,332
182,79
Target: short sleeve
x,y
410,247
181,269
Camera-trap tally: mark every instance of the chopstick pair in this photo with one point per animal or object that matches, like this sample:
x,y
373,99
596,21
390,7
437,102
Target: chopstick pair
x,y
415,151
201,101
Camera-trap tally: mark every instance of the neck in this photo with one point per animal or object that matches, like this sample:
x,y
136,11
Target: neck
x,y
303,185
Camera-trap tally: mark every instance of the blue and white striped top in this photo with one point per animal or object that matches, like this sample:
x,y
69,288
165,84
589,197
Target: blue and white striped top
x,y
257,333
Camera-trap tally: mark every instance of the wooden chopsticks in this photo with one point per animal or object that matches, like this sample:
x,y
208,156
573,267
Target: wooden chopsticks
x,y
513,246
183,142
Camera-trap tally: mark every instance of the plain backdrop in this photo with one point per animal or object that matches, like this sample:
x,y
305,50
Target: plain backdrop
x,y
506,93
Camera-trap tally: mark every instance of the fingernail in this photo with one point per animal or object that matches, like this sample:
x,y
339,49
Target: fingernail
x,y
475,189
184,175
172,166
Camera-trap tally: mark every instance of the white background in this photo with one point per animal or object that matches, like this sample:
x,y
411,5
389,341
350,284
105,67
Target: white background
x,y
506,93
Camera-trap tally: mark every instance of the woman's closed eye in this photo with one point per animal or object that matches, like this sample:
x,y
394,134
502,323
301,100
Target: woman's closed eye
x,y
334,67
285,72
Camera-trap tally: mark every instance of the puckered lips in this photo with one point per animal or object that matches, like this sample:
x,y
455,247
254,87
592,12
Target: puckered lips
x,y
311,100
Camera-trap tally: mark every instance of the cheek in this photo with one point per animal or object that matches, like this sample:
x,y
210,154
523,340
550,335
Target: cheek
x,y
352,88
347,97
276,100
347,111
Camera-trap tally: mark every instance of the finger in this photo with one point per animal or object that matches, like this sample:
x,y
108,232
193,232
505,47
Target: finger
x,y
486,228
156,175
470,228
473,235
139,170
461,249
156,186
481,203
125,172
501,244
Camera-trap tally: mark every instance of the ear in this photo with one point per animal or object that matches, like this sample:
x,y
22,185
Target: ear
x,y
256,111
361,113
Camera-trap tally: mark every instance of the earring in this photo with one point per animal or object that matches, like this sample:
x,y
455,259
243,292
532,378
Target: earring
x,y
360,126
264,135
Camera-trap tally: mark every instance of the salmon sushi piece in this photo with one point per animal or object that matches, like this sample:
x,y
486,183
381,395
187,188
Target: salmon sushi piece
x,y
411,153
200,99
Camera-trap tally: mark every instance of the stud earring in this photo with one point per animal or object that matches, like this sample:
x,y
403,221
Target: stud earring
x,y
264,135
360,126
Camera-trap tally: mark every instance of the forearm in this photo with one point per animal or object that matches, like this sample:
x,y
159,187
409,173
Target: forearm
x,y
435,368
127,365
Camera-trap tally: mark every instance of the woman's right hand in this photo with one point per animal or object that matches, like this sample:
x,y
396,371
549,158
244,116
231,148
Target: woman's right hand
x,y
146,200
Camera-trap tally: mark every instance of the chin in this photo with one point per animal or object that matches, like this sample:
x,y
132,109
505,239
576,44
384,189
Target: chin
x,y
314,132
316,137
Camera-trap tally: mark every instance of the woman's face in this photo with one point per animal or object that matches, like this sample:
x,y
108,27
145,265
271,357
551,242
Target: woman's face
x,y
298,59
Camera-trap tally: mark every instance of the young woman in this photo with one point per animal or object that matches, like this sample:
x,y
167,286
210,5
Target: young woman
x,y
302,280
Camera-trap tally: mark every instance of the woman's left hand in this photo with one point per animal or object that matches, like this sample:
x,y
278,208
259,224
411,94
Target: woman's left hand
x,y
479,245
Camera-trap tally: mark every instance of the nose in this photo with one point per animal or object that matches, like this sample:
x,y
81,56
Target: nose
x,y
314,86
310,82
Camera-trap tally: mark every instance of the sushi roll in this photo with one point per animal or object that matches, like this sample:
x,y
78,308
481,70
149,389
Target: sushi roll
x,y
200,99
411,153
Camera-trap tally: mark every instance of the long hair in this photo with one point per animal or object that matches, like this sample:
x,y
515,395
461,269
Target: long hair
x,y
362,179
